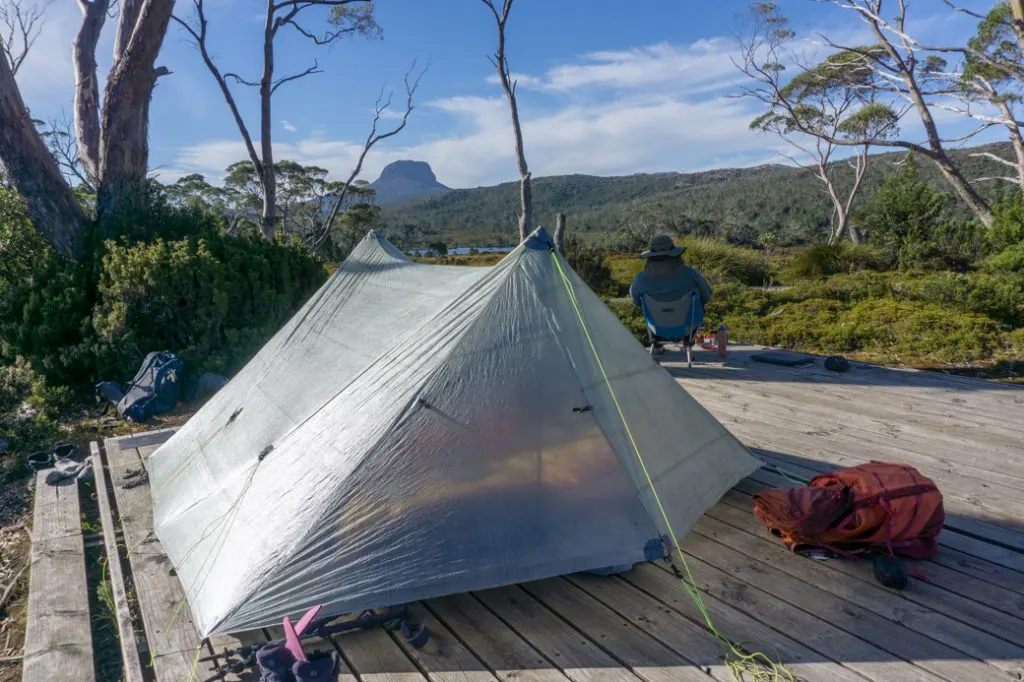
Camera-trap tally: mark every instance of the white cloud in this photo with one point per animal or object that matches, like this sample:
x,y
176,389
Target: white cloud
x,y
289,126
644,134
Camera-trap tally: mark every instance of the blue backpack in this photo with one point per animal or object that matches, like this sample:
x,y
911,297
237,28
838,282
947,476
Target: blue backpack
x,y
155,389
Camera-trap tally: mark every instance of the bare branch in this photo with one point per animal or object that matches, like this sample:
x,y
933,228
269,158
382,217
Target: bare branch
x,y
500,63
21,26
964,10
299,5
1003,178
281,81
383,104
199,34
241,81
994,157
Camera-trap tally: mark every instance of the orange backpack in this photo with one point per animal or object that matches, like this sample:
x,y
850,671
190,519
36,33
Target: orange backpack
x,y
874,507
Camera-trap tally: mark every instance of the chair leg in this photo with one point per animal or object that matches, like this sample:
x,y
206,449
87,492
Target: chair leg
x,y
689,357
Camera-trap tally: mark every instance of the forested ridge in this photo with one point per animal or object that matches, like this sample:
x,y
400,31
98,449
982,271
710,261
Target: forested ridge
x,y
737,203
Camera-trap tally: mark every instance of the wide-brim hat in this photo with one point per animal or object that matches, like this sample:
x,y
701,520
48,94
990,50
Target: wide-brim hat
x,y
663,246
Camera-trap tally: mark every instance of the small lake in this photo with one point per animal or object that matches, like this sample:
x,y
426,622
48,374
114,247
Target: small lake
x,y
465,250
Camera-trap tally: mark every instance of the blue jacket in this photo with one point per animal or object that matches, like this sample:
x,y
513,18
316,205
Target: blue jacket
x,y
668,275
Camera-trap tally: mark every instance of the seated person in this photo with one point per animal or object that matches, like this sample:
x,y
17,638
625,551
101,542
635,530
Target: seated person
x,y
665,272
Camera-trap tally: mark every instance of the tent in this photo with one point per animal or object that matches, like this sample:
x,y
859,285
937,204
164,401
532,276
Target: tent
x,y
419,430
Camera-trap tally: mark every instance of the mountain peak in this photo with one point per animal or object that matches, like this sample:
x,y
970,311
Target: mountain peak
x,y
406,180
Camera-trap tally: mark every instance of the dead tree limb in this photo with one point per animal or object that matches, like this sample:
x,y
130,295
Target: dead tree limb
x,y
383,104
21,24
500,62
560,232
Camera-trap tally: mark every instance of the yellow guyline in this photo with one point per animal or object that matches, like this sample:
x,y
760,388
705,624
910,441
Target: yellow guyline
x,y
758,665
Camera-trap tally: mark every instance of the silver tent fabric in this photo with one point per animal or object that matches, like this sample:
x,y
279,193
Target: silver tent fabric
x,y
420,430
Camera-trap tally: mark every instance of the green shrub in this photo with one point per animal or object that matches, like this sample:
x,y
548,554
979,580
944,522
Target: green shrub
x,y
631,318
1008,221
910,332
44,299
37,427
213,300
951,245
854,287
720,262
588,262
820,260
917,331
623,269
824,260
1010,259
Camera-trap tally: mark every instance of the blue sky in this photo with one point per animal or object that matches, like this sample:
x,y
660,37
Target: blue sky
x,y
605,87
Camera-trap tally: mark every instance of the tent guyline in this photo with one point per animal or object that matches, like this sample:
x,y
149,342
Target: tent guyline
x,y
419,430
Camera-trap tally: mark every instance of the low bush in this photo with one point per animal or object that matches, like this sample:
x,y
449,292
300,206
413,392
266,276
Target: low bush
x,y
631,318
29,408
912,332
1008,222
213,300
589,263
1010,260
720,262
823,260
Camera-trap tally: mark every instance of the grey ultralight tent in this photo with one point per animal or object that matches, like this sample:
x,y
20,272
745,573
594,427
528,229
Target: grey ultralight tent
x,y
420,430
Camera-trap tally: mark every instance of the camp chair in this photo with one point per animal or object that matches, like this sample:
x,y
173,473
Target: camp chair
x,y
673,317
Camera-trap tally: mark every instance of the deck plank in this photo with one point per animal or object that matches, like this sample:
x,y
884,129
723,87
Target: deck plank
x,y
818,594
687,635
375,657
503,651
174,642
946,590
869,417
577,656
444,658
648,658
808,425
974,629
58,639
132,664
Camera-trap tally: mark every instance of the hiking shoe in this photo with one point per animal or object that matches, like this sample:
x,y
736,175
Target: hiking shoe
x,y
275,663
64,451
319,668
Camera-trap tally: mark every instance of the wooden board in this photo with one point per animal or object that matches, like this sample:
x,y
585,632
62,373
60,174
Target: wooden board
x,y
444,658
508,655
576,655
174,642
627,644
58,638
132,670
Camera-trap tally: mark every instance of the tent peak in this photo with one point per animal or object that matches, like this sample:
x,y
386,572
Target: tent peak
x,y
539,239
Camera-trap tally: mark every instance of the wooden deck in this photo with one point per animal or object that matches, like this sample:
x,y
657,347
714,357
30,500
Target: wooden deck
x,y
58,643
827,620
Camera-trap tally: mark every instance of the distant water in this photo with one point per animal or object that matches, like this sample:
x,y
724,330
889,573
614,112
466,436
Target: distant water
x,y
465,250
